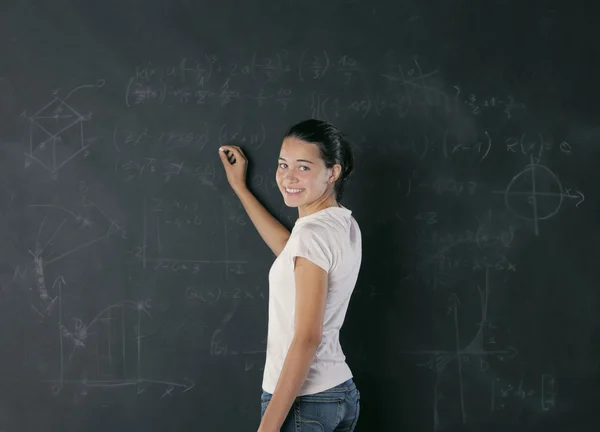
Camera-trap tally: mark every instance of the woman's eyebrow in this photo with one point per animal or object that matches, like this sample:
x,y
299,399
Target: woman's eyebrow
x,y
297,160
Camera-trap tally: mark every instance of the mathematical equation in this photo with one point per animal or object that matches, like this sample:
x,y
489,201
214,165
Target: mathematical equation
x,y
127,139
141,138
480,105
212,294
210,79
309,65
506,394
131,170
487,247
138,140
482,146
194,266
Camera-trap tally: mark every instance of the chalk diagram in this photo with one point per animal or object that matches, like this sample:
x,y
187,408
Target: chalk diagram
x,y
537,194
78,339
152,249
56,133
118,328
62,233
472,356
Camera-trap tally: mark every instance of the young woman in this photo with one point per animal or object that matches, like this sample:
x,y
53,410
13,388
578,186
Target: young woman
x,y
307,385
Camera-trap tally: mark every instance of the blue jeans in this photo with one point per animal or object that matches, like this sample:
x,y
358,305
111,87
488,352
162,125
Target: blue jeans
x,y
332,410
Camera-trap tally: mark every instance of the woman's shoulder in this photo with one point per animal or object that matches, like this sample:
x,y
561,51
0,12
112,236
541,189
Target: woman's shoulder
x,y
326,225
315,227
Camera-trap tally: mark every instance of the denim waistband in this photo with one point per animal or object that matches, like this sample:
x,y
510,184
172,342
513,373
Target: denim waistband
x,y
345,386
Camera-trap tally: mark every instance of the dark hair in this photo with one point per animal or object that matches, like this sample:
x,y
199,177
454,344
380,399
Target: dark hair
x,y
333,147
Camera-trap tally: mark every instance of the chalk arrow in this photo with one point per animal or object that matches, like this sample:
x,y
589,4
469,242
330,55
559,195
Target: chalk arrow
x,y
189,386
454,302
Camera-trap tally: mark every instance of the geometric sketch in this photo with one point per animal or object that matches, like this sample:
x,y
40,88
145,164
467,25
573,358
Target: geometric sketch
x,y
118,328
153,250
70,233
56,133
543,193
472,355
117,318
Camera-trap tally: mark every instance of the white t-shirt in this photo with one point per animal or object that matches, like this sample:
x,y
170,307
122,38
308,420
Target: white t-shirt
x,y
331,239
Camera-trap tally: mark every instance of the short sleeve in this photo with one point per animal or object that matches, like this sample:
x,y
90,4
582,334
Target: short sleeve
x,y
310,243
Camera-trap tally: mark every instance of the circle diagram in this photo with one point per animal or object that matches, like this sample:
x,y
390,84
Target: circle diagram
x,y
536,193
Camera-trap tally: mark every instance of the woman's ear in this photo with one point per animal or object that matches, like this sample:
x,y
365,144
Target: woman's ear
x,y
336,171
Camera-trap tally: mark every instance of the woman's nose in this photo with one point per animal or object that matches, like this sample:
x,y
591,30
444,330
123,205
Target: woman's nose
x,y
290,176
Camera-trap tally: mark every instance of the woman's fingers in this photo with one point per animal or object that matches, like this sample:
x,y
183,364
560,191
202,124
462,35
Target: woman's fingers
x,y
235,150
232,152
225,156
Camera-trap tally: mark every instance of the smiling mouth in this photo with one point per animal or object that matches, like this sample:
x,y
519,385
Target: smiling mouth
x,y
291,191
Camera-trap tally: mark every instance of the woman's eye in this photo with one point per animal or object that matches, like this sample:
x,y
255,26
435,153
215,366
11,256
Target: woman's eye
x,y
302,167
282,165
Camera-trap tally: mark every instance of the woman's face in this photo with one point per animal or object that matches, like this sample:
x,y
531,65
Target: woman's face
x,y
302,176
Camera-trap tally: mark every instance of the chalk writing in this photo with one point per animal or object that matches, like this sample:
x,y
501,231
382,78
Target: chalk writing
x,y
213,294
479,249
131,170
548,392
503,394
453,145
220,82
255,139
417,88
448,185
478,105
145,138
535,145
217,346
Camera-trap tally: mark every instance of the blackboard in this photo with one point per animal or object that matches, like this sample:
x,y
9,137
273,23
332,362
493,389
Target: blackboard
x,y
134,287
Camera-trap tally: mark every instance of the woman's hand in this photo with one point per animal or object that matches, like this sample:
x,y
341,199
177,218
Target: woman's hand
x,y
235,164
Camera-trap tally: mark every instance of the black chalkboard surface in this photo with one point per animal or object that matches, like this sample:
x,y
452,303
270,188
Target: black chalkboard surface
x,y
133,287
